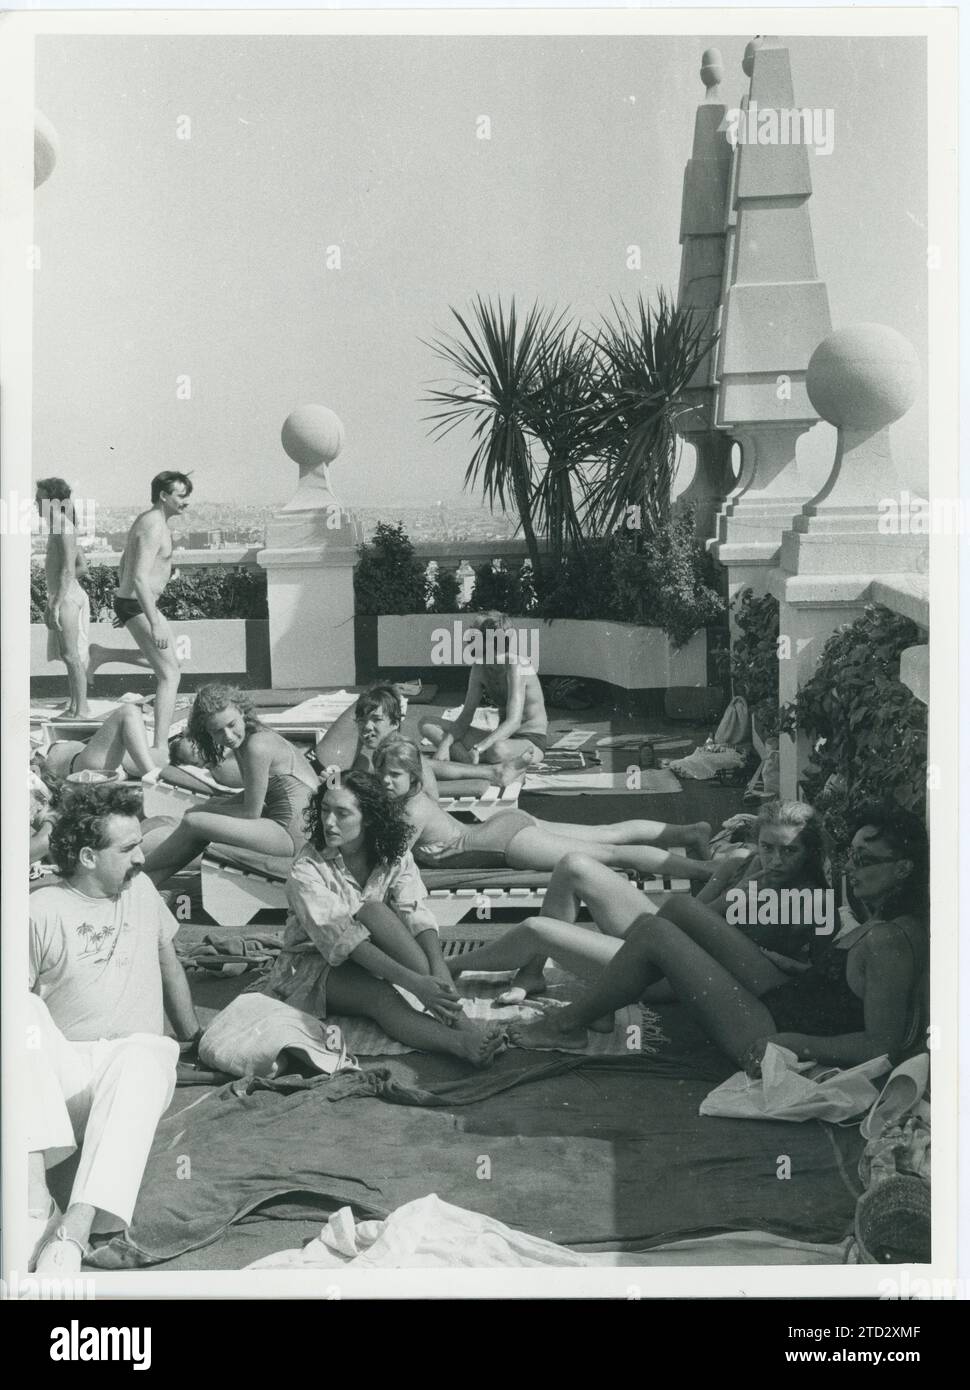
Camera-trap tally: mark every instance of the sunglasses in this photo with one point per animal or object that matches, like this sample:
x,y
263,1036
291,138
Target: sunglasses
x,y
861,860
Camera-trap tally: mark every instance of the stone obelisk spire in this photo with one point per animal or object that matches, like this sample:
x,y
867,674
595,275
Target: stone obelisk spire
x,y
702,237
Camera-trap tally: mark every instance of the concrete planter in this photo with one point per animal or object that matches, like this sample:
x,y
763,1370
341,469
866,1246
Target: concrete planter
x,y
234,648
623,654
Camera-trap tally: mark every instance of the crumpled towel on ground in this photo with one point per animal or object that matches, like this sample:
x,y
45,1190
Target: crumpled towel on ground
x,y
784,1093
703,764
232,955
426,1234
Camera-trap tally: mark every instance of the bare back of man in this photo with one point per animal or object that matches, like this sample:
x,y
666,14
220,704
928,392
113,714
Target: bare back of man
x,y
144,571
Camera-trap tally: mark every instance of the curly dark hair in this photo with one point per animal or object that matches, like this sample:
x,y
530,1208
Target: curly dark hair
x,y
386,832
213,699
905,834
84,813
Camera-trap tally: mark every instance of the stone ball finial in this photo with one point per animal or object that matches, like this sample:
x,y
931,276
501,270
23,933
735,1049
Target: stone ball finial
x,y
712,67
312,435
747,62
46,146
863,377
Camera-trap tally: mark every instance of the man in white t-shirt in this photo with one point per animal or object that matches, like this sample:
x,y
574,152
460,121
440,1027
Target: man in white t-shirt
x,y
103,974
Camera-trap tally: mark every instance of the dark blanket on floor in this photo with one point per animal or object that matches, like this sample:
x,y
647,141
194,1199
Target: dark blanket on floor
x,y
604,1153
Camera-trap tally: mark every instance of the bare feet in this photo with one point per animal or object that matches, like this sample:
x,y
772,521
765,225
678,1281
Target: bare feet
x,y
529,980
477,1044
505,774
544,1034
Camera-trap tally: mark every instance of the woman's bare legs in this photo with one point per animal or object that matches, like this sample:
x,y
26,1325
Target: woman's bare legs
x,y
724,998
695,837
614,903
121,741
526,947
77,671
390,934
222,821
351,990
535,848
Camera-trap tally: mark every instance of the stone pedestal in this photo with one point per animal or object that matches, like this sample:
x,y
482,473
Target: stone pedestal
x,y
860,379
309,559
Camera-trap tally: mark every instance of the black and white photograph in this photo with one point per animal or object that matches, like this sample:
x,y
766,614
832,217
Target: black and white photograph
x,y
477,487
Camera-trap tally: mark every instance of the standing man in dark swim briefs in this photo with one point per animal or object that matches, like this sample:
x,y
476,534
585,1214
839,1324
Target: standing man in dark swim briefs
x,y
145,569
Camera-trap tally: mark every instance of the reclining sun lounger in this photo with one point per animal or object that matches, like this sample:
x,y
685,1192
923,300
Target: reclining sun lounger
x,y
306,721
166,798
464,800
236,884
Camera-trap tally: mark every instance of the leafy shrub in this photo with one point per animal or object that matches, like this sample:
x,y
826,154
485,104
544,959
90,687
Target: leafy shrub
x,y
444,591
507,590
389,578
228,593
754,658
869,731
668,581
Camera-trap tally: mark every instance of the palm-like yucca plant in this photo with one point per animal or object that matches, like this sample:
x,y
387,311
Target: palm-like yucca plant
x,y
564,417
499,353
646,358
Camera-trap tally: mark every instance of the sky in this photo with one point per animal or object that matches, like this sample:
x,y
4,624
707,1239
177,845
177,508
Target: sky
x,y
165,258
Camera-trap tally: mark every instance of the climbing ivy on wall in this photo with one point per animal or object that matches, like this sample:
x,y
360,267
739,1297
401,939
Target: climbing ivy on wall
x,y
754,658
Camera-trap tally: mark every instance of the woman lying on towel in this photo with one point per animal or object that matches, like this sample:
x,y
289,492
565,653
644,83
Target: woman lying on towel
x,y
277,784
352,741
359,924
788,855
515,840
861,997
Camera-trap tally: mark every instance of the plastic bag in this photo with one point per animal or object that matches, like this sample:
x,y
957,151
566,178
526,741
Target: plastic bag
x,y
784,1092
733,727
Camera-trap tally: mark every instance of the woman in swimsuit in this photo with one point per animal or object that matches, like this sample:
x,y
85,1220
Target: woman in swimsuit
x,y
789,855
860,998
120,745
277,784
515,840
359,925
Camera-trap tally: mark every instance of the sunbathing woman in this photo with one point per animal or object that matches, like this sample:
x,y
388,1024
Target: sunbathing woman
x,y
788,856
358,925
515,840
120,744
862,996
277,785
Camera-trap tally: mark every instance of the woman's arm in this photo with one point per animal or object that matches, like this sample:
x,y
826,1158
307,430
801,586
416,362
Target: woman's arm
x,y
255,759
714,890
888,985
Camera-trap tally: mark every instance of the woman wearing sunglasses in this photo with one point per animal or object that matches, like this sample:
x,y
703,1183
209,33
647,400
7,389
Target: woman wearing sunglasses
x,y
860,998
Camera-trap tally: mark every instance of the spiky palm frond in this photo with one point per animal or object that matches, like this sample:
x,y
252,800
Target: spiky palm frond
x,y
647,357
498,354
